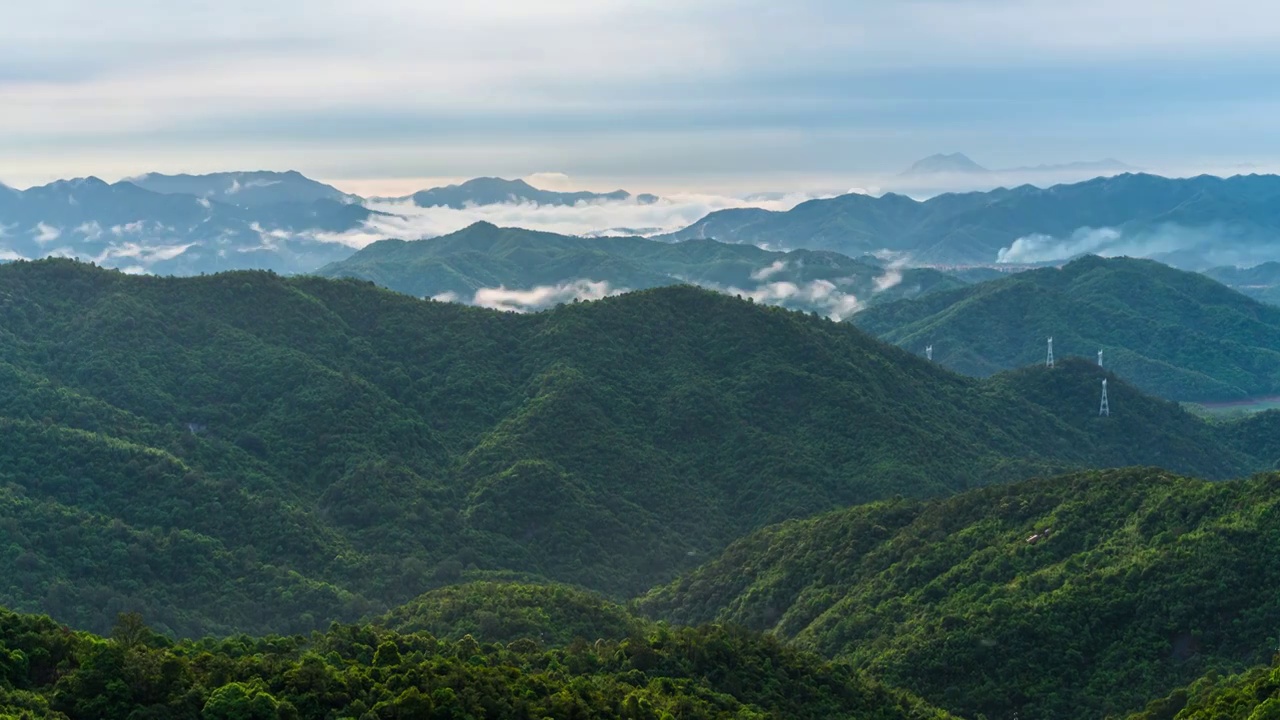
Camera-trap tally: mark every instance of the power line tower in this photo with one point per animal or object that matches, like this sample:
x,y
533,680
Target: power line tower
x,y
1105,408
928,352
1099,358
1049,362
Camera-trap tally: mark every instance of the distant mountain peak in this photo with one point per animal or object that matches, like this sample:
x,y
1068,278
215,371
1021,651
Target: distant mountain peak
x,y
945,163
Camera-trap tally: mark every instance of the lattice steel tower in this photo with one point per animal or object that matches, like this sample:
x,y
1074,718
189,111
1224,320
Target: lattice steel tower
x,y
1049,361
1105,408
928,352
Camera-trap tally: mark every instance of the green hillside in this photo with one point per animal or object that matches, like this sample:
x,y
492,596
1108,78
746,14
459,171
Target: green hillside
x,y
1260,282
1175,334
1251,695
554,615
47,671
487,256
1077,596
249,452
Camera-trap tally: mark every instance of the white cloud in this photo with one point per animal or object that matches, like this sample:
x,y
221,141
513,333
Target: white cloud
x,y
1193,248
550,181
46,233
543,296
837,303
892,274
145,255
407,221
90,230
449,296
7,254
772,269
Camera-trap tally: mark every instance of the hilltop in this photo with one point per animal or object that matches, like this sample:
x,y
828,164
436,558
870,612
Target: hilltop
x,y
245,451
1176,334
1078,596
484,256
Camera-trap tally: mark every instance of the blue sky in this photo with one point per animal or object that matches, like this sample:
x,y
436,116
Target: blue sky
x,y
384,95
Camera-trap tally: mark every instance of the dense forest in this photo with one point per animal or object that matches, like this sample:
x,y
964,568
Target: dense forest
x,y
1250,695
1077,596
1176,334
368,672
385,445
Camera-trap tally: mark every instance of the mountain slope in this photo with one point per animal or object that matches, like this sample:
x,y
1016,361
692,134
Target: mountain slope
x,y
486,256
125,226
364,671
349,448
245,189
497,191
1194,222
1078,596
1261,282
1173,333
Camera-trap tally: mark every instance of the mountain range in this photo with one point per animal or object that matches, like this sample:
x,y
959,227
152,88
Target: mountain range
x,y
523,269
1261,282
1173,333
961,164
1193,223
383,445
497,191
1079,596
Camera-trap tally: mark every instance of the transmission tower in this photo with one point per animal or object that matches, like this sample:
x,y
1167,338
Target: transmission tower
x,y
1099,358
1105,408
1049,361
928,352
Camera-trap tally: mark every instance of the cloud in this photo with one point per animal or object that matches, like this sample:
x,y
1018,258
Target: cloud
x,y
449,296
406,221
892,275
824,294
90,230
543,296
7,254
46,233
765,273
550,181
1191,248
145,255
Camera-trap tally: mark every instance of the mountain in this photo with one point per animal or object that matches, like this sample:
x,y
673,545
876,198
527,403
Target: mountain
x,y
244,451
1194,223
365,671
1260,282
941,163
1079,596
1176,334
124,226
474,262
497,191
245,189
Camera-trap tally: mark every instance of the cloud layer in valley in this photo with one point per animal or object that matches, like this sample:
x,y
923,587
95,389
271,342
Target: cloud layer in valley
x,y
1191,248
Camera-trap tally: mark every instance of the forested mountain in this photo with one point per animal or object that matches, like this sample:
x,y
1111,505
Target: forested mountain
x,y
497,191
246,189
1250,695
1077,596
246,451
486,256
1194,223
125,226
1260,282
1176,334
47,671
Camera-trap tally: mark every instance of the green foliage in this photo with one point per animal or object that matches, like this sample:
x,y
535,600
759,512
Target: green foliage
x,y
552,615
367,672
246,452
1176,334
1078,596
1251,695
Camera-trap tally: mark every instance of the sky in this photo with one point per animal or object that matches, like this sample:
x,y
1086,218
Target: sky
x,y
389,96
